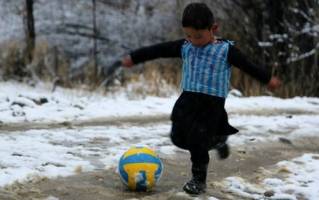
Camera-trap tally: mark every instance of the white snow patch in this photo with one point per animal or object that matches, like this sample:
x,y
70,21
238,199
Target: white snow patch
x,y
302,182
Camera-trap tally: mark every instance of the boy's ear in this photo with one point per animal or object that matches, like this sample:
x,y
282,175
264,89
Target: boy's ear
x,y
215,28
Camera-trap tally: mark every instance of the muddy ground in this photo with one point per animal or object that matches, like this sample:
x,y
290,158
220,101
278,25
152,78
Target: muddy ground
x,y
245,161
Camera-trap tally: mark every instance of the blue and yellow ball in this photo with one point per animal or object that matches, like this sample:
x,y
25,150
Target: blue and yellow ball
x,y
140,168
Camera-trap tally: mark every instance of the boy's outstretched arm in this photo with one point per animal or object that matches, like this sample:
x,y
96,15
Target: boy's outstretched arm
x,y
261,73
162,50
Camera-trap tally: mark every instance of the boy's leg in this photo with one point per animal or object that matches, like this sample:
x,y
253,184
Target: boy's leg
x,y
197,184
223,148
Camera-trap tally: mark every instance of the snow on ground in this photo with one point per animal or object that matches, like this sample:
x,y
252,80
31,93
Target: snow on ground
x,y
20,103
65,151
61,152
290,180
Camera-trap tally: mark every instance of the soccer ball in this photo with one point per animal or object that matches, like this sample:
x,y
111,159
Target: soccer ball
x,y
140,168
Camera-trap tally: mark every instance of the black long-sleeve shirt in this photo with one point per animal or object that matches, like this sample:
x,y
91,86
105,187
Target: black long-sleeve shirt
x,y
173,49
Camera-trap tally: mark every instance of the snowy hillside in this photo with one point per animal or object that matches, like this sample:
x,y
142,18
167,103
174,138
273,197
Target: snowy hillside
x,y
68,25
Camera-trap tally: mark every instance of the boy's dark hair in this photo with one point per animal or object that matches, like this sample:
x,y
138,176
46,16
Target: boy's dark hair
x,y
197,16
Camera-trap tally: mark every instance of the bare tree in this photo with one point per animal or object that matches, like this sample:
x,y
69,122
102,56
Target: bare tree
x,y
95,60
29,30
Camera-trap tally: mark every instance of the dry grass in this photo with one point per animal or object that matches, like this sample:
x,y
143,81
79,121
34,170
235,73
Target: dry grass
x,y
12,59
160,77
48,62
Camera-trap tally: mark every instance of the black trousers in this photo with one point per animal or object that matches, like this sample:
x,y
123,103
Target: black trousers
x,y
200,160
200,156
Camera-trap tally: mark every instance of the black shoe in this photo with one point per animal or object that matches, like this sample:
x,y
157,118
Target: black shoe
x,y
194,187
223,151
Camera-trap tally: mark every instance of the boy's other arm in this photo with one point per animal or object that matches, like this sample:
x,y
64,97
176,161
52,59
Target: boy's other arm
x,y
161,50
236,58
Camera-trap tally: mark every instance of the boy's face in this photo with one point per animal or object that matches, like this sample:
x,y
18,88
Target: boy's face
x,y
199,37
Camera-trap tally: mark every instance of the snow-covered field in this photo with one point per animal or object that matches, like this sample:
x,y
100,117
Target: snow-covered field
x,y
300,180
67,150
21,103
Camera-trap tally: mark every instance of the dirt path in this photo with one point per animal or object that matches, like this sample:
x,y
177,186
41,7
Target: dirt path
x,y
144,119
105,184
115,121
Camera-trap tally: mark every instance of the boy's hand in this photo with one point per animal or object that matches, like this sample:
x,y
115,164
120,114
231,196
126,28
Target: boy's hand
x,y
127,61
274,83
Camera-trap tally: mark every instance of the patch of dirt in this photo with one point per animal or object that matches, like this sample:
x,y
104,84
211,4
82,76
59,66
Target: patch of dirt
x,y
245,161
140,120
115,121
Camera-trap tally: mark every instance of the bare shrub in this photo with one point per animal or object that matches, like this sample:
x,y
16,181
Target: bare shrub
x,y
12,60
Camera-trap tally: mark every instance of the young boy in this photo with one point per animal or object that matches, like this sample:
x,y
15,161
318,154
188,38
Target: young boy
x,y
199,119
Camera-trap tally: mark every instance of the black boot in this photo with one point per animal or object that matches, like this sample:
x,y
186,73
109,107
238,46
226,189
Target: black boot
x,y
223,151
197,185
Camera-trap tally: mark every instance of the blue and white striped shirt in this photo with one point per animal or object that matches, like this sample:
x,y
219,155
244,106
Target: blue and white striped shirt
x,y
206,69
